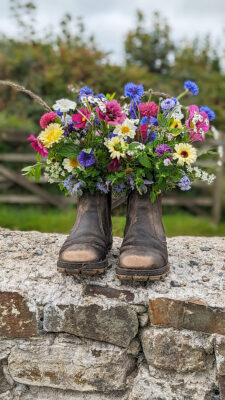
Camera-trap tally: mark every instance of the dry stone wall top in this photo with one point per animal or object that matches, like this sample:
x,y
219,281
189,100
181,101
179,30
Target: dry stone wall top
x,y
88,338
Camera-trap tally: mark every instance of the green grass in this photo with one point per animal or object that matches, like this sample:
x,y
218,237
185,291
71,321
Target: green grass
x,y
53,220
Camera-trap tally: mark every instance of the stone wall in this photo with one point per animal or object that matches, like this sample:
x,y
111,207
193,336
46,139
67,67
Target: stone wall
x,y
77,338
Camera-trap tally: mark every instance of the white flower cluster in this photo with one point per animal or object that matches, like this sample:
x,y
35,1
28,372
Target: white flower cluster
x,y
94,100
64,105
200,174
53,171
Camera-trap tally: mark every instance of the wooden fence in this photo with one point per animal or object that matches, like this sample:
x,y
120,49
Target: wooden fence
x,y
37,194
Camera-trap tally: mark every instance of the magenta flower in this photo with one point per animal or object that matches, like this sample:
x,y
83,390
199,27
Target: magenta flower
x,y
113,114
38,146
81,118
149,109
114,164
47,118
197,123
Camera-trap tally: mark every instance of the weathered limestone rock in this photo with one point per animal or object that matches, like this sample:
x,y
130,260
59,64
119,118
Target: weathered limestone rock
x,y
220,354
155,384
190,314
16,318
117,324
170,349
71,363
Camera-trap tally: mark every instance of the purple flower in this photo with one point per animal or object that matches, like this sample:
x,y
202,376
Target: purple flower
x,y
209,112
147,182
134,110
154,121
167,104
185,183
120,188
102,188
163,148
86,159
135,92
192,87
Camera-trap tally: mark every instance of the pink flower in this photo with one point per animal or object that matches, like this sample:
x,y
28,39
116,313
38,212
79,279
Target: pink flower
x,y
149,109
38,146
47,118
113,114
142,131
197,123
81,118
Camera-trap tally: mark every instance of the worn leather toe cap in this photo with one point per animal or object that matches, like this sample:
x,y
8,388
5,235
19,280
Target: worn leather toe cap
x,y
141,259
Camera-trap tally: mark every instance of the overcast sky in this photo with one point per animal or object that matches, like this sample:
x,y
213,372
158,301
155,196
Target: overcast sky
x,y
109,20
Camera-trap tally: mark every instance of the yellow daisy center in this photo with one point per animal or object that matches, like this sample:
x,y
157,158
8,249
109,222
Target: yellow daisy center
x,y
125,129
74,162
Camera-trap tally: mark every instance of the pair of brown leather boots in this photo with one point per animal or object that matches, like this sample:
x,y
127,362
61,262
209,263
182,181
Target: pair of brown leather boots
x,y
143,254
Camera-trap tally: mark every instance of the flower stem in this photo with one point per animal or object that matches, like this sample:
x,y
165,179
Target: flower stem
x,y
182,94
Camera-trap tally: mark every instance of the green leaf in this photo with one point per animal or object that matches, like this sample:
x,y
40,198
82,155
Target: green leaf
x,y
175,130
133,145
162,121
144,160
68,151
37,173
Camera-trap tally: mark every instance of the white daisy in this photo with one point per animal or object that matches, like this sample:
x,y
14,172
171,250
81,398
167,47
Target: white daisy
x,y
70,163
127,129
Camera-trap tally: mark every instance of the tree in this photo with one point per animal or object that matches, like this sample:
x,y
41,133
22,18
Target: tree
x,y
151,48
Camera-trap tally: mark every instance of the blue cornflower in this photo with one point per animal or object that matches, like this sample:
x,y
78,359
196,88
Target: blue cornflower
x,y
154,121
135,92
144,121
192,87
167,104
59,113
100,96
209,112
185,183
86,159
133,110
85,91
153,137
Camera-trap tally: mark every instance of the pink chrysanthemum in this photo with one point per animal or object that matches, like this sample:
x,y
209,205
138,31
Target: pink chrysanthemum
x,y
81,118
113,114
149,109
197,123
47,118
38,146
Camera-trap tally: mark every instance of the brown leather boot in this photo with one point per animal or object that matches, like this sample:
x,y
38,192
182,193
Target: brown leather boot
x,y
85,250
143,254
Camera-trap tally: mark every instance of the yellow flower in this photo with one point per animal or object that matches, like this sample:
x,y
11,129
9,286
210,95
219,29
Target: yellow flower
x,y
185,153
52,134
70,163
117,147
176,125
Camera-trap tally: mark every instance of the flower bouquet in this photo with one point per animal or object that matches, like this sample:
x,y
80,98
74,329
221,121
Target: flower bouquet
x,y
99,144
141,146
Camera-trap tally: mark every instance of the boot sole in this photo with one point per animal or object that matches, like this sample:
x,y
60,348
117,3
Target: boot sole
x,y
95,268
141,275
